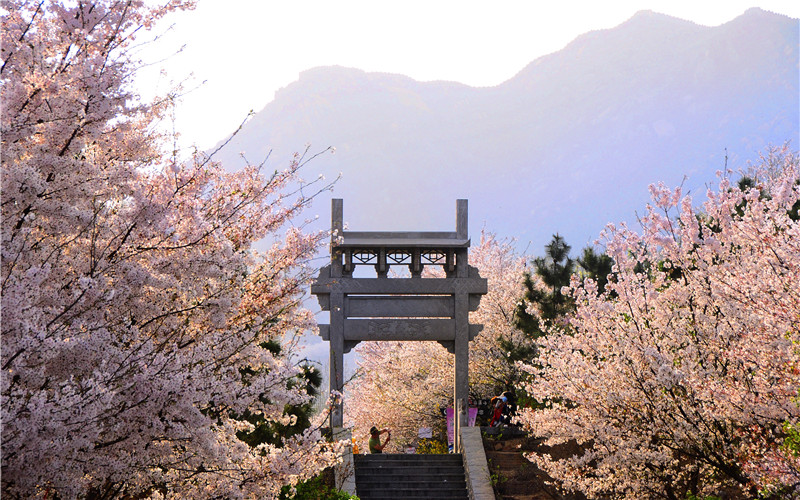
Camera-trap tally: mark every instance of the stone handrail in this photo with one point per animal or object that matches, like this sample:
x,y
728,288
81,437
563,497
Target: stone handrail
x,y
476,467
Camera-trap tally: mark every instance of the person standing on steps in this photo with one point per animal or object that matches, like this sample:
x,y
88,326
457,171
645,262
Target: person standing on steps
x,y
498,404
375,445
510,410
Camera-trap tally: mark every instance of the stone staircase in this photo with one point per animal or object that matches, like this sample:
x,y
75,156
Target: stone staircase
x,y
513,476
397,476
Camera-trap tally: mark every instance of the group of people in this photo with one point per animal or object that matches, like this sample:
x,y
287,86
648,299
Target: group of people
x,y
504,407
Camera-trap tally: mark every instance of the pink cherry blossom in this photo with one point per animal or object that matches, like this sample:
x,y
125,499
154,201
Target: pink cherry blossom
x,y
133,302
681,376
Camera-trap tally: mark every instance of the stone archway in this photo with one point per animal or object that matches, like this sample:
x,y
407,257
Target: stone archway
x,y
399,309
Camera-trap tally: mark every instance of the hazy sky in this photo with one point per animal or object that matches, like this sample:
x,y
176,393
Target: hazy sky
x,y
241,51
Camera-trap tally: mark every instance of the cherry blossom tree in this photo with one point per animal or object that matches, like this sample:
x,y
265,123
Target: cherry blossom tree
x,y
682,377
135,311
491,368
405,385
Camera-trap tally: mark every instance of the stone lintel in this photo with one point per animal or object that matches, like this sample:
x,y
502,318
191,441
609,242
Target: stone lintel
x,y
399,329
400,286
402,241
402,306
358,330
406,305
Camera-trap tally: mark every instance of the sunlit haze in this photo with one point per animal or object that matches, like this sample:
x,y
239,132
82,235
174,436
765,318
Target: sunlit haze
x,y
240,52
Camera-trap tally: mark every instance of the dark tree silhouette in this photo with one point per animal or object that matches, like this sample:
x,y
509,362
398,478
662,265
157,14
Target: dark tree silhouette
x,y
596,266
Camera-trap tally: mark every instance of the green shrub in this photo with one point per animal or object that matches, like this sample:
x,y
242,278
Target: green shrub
x,y
316,488
427,446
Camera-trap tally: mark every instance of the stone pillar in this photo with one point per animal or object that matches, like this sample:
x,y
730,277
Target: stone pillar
x,y
461,344
337,317
337,357
462,231
337,226
381,268
461,389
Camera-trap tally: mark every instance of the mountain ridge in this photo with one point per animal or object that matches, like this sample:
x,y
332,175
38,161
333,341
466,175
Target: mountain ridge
x,y
567,145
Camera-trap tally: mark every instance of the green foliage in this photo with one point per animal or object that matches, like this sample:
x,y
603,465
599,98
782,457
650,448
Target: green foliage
x,y
497,479
791,444
272,346
316,488
747,183
596,266
554,270
274,432
526,401
427,446
690,496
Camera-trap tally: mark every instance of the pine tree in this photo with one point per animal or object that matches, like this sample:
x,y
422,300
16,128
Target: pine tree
x,y
553,271
597,267
300,415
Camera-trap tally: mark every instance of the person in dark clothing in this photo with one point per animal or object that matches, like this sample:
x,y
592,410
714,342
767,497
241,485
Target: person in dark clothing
x,y
510,409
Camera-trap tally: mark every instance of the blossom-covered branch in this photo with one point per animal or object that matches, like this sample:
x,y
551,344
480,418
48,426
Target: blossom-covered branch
x,y
135,309
682,377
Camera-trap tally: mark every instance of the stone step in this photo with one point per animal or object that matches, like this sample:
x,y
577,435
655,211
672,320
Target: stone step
x,y
429,485
512,444
384,476
426,482
409,492
417,465
517,489
506,459
398,476
408,458
423,495
393,456
417,469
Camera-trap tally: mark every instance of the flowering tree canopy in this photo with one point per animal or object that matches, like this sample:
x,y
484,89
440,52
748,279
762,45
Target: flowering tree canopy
x,y
682,377
135,313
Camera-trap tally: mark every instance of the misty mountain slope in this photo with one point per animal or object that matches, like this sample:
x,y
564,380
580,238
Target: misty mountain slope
x,y
567,145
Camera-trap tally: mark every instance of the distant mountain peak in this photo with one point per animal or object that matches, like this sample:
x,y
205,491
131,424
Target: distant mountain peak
x,y
759,12
567,145
653,20
337,78
650,15
321,72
